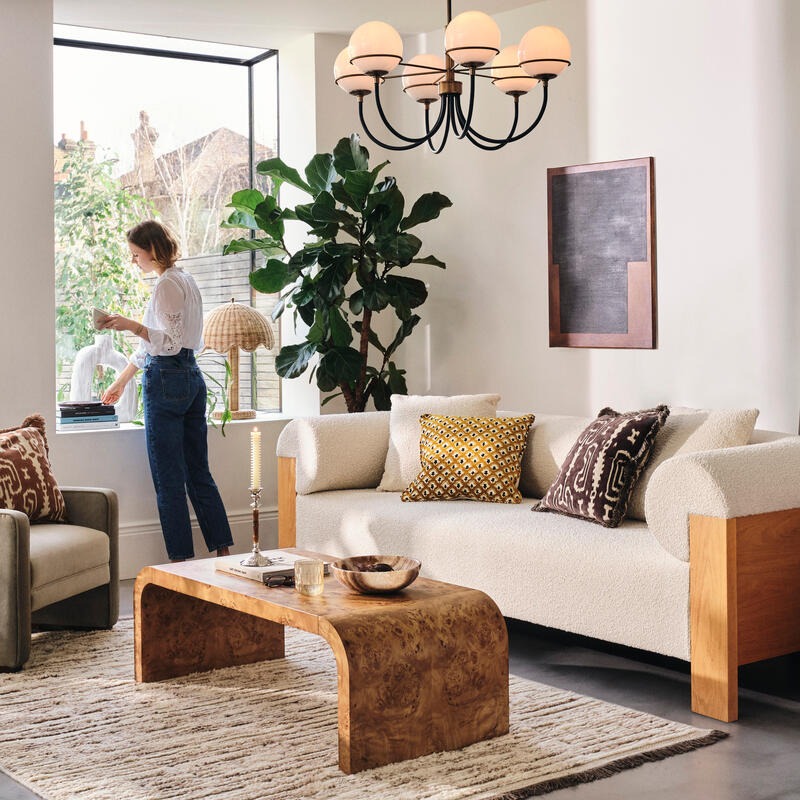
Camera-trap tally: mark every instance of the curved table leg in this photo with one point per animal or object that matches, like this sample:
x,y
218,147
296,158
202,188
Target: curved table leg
x,y
176,634
421,681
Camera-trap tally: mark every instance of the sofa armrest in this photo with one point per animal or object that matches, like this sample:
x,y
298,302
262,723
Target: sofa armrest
x,y
15,589
734,482
336,451
96,508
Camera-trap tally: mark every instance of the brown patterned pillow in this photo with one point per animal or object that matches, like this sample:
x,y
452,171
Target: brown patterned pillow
x,y
26,480
598,475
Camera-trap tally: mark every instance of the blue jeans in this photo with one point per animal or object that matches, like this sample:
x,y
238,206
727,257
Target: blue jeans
x,y
174,394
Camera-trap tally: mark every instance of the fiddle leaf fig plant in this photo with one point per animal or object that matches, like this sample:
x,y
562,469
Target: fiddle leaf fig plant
x,y
349,269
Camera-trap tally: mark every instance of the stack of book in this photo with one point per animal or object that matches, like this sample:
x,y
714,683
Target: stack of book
x,y
89,415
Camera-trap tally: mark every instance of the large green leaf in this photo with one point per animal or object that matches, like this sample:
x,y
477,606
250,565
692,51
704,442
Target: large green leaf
x,y
411,290
358,183
385,210
240,219
425,209
273,277
430,260
246,200
403,331
268,216
397,381
293,359
341,332
376,297
282,173
318,331
380,392
399,249
349,154
325,381
320,173
343,363
332,280
268,246
357,302
324,210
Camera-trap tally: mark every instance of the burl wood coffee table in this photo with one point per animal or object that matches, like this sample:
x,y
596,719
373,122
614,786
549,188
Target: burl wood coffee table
x,y
421,671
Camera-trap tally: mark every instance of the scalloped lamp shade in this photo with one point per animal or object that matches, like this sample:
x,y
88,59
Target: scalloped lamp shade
x,y
229,328
375,48
508,76
540,44
349,77
472,39
423,84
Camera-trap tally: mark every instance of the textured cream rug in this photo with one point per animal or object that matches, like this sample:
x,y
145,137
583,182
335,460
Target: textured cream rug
x,y
74,724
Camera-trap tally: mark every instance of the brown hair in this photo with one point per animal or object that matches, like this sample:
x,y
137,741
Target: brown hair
x,y
157,239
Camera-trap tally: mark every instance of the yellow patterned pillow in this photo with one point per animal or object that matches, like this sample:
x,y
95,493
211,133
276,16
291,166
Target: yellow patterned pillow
x,y
470,458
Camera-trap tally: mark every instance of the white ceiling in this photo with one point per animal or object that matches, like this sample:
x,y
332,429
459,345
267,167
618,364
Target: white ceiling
x,y
262,23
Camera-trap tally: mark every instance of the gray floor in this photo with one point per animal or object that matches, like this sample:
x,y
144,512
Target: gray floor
x,y
759,761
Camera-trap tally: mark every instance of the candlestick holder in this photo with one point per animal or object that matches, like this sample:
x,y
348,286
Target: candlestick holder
x,y
256,557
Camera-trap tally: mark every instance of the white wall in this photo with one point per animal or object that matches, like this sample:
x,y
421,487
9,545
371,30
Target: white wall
x,y
117,459
711,91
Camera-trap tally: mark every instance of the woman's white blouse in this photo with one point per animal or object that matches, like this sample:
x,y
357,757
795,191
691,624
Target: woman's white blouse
x,y
173,317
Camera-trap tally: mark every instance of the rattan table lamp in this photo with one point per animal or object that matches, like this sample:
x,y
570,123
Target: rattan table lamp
x,y
229,328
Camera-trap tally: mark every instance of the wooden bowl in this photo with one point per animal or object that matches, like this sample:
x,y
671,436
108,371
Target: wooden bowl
x,y
349,572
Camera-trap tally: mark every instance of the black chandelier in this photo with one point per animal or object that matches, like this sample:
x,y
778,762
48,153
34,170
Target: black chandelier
x,y
472,39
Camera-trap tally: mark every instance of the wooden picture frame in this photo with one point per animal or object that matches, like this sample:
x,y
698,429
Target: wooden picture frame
x,y
602,254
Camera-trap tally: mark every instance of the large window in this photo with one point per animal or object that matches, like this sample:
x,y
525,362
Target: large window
x,y
147,126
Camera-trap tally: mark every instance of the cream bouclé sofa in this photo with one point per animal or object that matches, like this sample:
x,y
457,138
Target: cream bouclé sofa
x,y
711,576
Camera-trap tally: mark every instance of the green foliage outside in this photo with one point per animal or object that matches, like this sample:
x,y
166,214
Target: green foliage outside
x,y
350,269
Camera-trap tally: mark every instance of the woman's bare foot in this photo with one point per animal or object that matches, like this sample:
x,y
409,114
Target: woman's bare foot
x,y
223,551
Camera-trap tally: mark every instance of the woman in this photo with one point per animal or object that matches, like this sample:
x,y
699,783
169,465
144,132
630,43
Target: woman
x,y
174,394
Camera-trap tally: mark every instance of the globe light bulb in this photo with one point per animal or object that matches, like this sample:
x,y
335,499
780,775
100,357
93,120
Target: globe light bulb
x,y
544,52
508,76
350,78
472,39
423,84
375,48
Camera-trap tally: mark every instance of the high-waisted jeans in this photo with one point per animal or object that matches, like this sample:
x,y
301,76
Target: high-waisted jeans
x,y
174,394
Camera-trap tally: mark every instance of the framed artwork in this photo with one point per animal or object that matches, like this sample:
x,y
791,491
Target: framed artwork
x,y
602,254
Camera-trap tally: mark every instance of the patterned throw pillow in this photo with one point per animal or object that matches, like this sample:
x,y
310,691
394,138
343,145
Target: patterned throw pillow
x,y
26,480
470,458
598,475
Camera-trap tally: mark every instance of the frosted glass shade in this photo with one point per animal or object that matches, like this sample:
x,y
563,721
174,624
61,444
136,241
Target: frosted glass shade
x,y
540,44
507,76
472,39
375,48
350,78
423,84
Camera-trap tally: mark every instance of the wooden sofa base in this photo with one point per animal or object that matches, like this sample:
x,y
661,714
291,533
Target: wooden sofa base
x,y
744,595
744,599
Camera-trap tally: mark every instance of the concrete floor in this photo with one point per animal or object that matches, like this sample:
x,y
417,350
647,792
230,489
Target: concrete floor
x,y
759,761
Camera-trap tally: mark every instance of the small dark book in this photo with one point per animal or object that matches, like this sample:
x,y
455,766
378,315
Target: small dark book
x,y
76,408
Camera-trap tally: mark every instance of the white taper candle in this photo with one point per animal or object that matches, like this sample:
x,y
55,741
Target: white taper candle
x,y
255,458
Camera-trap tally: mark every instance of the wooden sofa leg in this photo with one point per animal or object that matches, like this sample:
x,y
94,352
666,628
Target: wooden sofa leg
x,y
714,617
287,500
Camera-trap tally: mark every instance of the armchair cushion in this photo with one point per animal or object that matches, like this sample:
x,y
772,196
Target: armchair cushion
x,y
27,483
66,560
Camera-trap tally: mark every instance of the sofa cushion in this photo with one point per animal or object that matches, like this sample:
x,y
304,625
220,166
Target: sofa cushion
x,y
66,560
27,482
600,471
470,458
692,430
402,459
544,568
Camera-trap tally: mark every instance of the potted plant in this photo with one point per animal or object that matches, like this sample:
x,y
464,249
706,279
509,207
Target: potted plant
x,y
349,270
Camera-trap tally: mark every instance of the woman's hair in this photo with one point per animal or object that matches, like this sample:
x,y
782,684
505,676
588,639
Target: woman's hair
x,y
157,239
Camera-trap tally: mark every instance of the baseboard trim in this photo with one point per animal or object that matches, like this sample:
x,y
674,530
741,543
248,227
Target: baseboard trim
x,y
141,544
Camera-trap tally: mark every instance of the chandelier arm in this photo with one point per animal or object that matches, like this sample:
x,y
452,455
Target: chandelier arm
x,y
426,138
470,108
446,103
379,106
504,142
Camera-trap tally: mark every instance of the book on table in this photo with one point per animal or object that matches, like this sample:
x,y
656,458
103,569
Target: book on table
x,y
282,564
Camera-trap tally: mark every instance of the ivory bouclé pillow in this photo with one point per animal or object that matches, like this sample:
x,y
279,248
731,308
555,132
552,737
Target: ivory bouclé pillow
x,y
599,473
470,458
402,458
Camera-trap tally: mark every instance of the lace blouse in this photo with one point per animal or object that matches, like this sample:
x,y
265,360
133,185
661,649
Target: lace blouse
x,y
173,317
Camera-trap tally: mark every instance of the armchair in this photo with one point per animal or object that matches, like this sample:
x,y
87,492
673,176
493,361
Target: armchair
x,y
55,575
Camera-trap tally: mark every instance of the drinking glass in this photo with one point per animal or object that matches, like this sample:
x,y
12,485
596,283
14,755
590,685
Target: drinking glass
x,y
309,576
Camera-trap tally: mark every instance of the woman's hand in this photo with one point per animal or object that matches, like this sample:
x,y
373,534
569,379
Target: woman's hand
x,y
113,393
116,322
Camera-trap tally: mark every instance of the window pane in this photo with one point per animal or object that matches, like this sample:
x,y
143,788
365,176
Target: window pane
x,y
153,137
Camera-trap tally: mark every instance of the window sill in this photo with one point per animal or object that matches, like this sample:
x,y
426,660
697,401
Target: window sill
x,y
260,418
